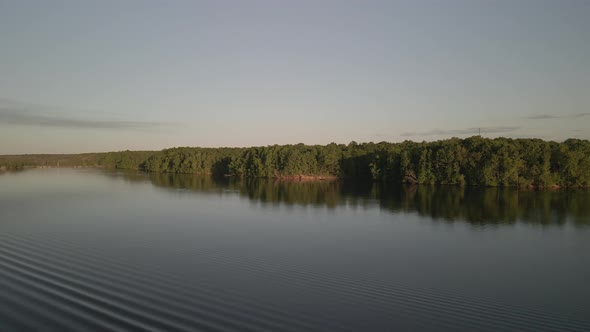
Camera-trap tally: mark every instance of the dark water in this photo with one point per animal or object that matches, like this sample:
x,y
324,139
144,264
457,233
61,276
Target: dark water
x,y
90,250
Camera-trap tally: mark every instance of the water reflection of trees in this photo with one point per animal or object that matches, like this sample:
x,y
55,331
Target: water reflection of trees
x,y
489,205
443,203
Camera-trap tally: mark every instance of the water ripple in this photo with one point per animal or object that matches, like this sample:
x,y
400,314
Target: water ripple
x,y
92,291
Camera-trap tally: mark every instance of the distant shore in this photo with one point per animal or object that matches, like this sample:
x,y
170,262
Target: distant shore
x,y
474,161
291,178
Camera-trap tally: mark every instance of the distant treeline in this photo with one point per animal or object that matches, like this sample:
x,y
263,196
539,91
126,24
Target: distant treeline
x,y
123,160
472,161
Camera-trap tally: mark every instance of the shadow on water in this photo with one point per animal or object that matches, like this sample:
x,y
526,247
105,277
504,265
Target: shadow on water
x,y
442,203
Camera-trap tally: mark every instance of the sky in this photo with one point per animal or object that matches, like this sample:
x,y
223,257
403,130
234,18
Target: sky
x,y
89,76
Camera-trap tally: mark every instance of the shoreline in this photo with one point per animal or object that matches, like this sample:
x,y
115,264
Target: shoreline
x,y
298,178
306,178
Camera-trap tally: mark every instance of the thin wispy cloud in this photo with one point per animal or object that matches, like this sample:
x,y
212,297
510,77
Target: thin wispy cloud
x,y
22,114
554,117
466,131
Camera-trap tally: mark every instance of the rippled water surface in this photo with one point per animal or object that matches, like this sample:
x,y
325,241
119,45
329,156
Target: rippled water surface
x,y
92,250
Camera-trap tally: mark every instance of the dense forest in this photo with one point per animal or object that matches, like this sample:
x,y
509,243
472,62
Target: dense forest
x,y
472,161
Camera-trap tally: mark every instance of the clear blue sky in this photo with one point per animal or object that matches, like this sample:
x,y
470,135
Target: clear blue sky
x,y
78,76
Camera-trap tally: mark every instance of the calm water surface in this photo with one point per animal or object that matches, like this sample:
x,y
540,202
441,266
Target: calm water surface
x,y
92,250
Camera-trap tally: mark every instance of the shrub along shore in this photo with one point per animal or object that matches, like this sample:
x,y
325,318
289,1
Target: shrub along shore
x,y
472,161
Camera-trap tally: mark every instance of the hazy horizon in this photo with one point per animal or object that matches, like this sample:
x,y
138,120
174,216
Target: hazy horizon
x,y
257,146
142,75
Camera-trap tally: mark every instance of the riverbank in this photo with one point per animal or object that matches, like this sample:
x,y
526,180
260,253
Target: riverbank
x,y
305,178
474,161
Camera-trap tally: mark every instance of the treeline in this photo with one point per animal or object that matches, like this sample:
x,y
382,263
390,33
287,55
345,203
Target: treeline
x,y
122,159
473,161
193,160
